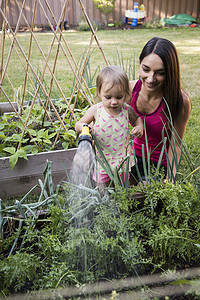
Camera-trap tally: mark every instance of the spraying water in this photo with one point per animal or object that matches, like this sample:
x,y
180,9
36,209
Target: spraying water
x,y
81,178
84,160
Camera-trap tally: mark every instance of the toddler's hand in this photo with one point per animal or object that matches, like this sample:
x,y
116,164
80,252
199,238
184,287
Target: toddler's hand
x,y
137,131
91,129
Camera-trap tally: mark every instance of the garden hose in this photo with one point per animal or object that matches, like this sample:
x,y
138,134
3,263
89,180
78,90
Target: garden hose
x,y
85,134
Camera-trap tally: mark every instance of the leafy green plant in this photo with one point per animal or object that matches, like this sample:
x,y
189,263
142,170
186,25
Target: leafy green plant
x,y
15,155
39,136
83,26
86,236
118,24
105,7
153,23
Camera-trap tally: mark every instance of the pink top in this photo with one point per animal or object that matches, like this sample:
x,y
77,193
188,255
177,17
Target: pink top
x,y
112,133
156,125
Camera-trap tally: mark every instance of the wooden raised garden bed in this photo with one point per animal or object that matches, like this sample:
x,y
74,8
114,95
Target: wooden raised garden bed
x,y
27,172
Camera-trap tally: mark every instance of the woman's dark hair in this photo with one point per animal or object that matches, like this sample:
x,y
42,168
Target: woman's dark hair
x,y
172,86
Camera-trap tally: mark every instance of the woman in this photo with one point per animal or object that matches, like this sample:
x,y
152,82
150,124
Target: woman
x,y
157,98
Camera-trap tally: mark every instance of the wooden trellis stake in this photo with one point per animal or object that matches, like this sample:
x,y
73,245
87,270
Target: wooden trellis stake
x,y
82,91
92,29
72,95
52,105
55,61
32,83
29,52
41,51
3,42
11,46
78,73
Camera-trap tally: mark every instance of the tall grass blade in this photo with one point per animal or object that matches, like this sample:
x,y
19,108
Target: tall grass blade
x,y
1,223
15,242
192,173
28,194
144,164
103,162
136,166
128,66
161,154
124,178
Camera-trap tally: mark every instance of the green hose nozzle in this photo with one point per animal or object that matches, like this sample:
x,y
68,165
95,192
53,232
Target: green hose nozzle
x,y
85,134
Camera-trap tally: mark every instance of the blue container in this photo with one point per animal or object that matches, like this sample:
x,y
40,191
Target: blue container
x,y
135,7
125,20
134,22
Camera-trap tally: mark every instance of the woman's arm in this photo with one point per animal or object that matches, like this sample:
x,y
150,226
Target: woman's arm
x,y
132,115
136,122
180,126
131,86
89,117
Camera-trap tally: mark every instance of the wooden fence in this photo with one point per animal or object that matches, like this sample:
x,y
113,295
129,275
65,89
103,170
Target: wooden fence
x,y
154,9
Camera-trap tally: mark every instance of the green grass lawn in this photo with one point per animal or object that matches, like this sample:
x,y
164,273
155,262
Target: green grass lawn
x,y
126,42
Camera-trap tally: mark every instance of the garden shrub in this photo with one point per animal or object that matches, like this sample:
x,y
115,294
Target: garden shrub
x,y
115,236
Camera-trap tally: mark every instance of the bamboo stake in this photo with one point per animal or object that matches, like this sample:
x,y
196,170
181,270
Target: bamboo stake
x,y
3,21
67,46
29,52
55,61
31,81
41,51
82,70
92,29
14,34
3,42
84,94
33,71
84,65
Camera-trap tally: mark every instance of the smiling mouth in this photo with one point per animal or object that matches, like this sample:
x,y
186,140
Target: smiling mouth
x,y
151,84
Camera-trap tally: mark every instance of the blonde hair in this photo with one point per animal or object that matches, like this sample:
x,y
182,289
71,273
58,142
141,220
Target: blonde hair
x,y
113,77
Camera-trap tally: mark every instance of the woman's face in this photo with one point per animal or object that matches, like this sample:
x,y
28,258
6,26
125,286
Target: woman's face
x,y
152,72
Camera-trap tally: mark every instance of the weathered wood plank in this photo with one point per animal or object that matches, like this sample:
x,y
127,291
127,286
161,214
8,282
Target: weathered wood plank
x,y
18,187
27,172
36,163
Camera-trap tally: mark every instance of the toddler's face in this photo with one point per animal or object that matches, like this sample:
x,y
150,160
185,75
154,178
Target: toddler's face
x,y
112,99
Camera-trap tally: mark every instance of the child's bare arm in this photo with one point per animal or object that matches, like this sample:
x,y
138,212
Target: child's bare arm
x,y
89,116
